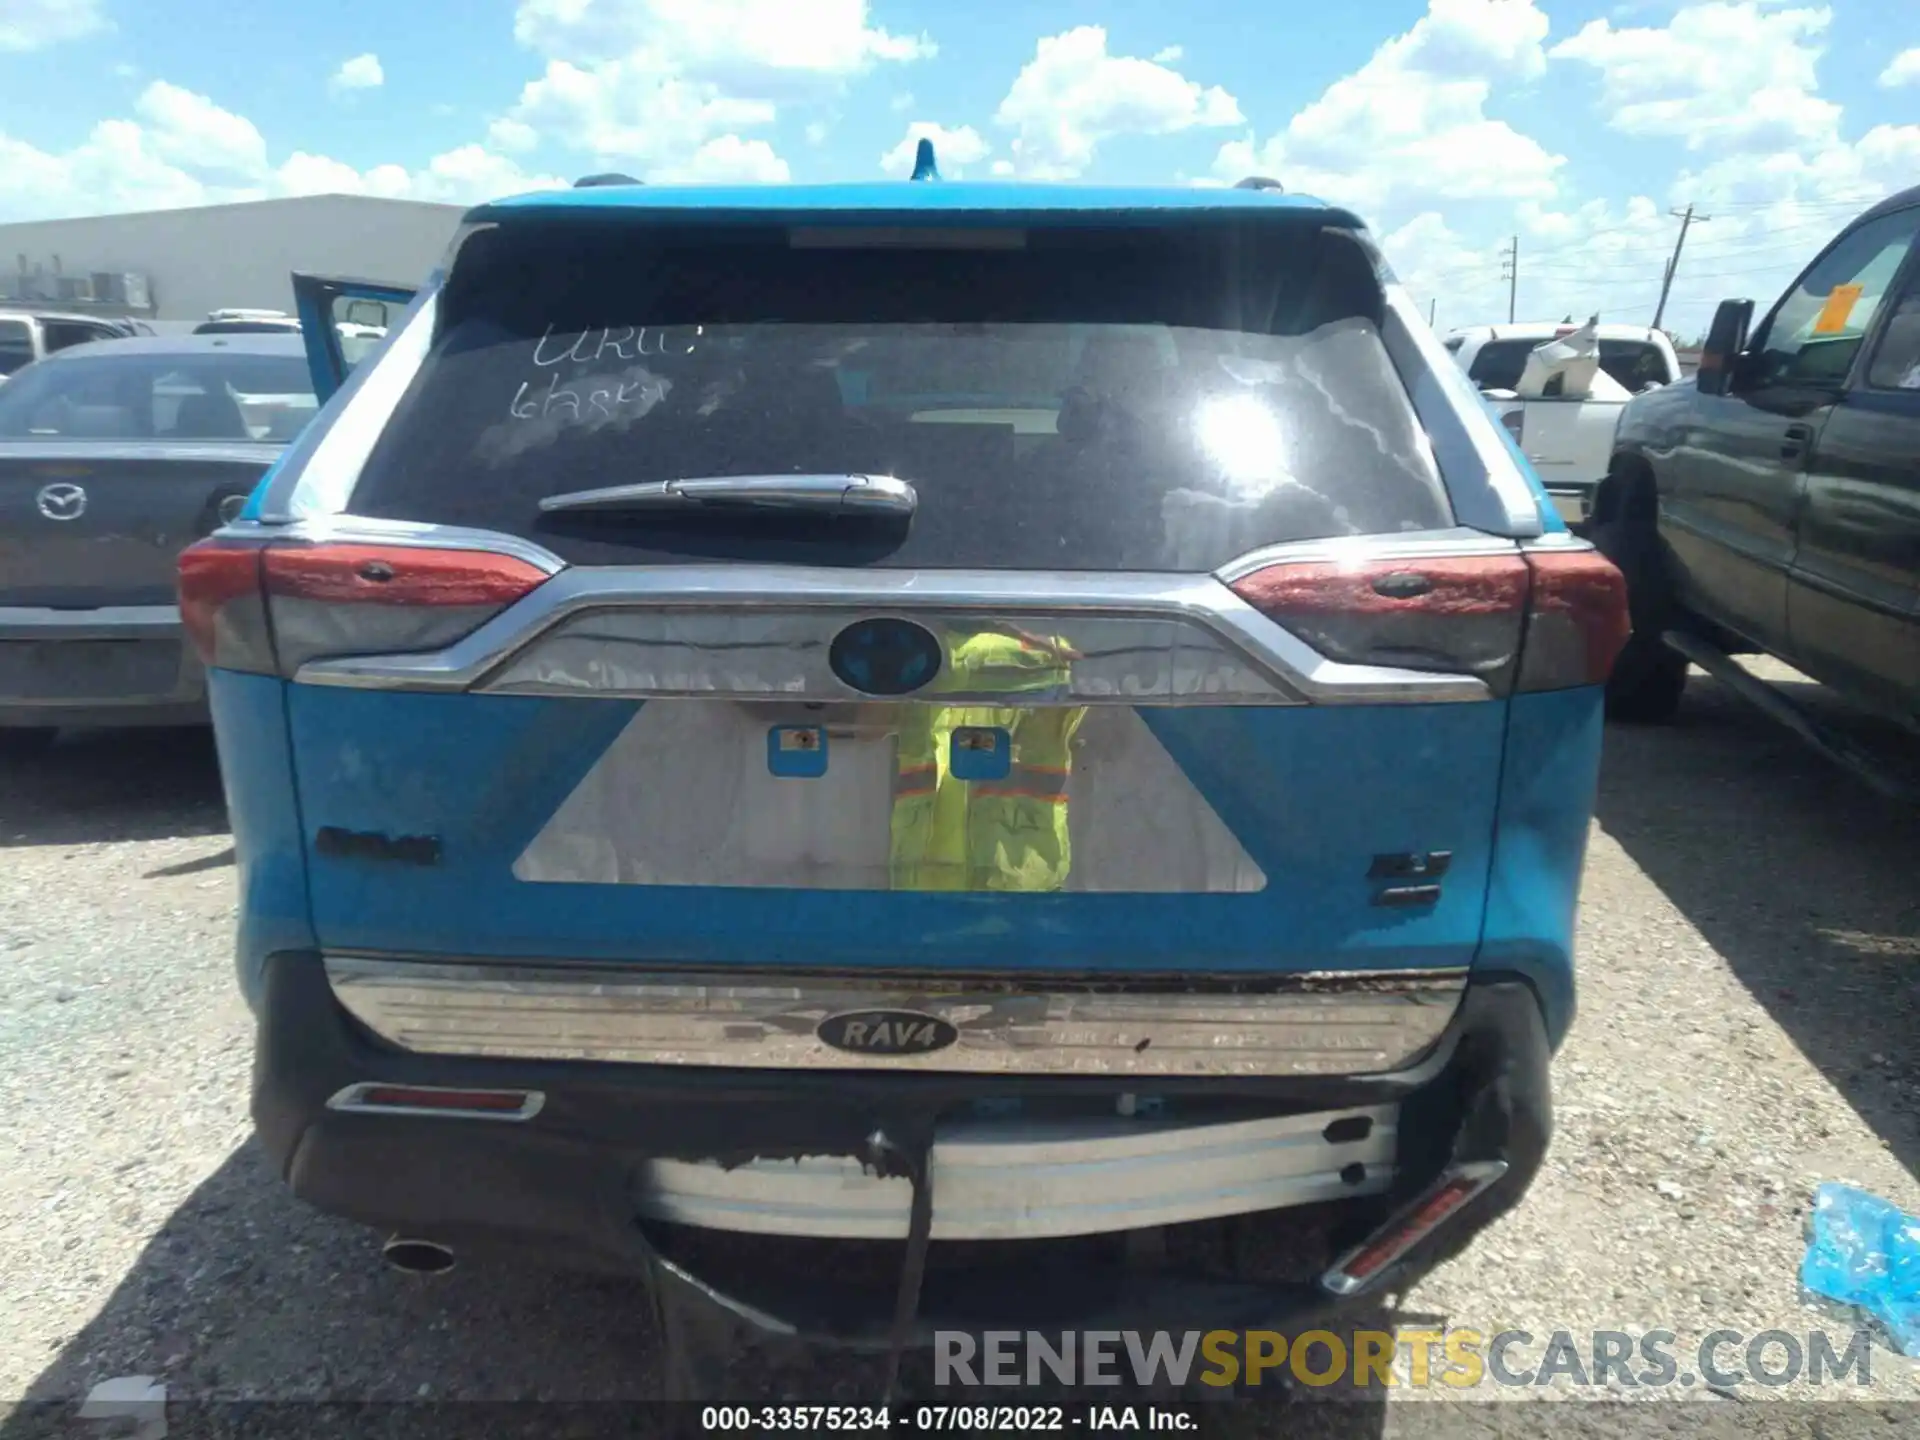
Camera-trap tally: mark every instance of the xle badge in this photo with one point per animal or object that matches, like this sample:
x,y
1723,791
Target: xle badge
x,y
887,1032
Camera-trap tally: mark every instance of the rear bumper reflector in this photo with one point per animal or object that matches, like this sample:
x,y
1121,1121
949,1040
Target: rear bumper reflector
x,y
371,1097
1438,1203
1318,1024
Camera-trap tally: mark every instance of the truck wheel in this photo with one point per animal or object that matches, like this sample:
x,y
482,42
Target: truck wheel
x,y
1648,678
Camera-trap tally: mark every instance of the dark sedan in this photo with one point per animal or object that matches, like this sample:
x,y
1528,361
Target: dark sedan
x,y
113,458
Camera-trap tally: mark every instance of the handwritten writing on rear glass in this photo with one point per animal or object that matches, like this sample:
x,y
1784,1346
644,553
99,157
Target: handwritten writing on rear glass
x,y
585,380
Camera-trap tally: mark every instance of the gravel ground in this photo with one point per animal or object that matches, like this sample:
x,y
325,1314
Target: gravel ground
x,y
1749,945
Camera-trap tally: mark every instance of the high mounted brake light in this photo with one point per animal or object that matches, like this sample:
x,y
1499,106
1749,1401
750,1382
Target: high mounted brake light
x,y
272,607
1533,620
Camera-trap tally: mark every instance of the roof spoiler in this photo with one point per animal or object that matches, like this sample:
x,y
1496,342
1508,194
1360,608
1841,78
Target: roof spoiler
x,y
1259,182
610,177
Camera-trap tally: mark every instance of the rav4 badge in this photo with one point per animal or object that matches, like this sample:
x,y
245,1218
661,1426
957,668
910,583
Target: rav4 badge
x,y
887,1032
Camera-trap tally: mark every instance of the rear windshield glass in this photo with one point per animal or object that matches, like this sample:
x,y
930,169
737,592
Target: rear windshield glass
x,y
1078,399
158,396
1635,364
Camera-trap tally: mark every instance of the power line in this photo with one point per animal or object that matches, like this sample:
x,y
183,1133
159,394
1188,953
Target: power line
x,y
1729,248
1861,201
1618,262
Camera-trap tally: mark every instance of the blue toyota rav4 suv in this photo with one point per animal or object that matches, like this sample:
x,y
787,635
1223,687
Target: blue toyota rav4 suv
x,y
952,726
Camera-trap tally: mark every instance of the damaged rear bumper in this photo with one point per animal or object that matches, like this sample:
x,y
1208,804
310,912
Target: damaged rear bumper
x,y
712,1179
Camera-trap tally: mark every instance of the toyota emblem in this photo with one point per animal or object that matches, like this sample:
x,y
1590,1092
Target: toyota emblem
x,y
61,501
884,656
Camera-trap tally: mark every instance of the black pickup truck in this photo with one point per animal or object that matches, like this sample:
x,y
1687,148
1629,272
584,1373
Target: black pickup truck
x,y
1772,504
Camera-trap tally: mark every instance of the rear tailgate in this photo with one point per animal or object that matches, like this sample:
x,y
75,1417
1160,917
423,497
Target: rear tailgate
x,y
89,524
1071,715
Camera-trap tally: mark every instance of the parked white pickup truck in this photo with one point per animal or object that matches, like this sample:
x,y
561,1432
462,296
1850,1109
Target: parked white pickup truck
x,y
1560,390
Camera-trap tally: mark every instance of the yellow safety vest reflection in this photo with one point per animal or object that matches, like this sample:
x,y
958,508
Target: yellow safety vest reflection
x,y
1004,834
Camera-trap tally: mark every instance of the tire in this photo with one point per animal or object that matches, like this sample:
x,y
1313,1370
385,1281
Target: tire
x,y
18,744
1648,679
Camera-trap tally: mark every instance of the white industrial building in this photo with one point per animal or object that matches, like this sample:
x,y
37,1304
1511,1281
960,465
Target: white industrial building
x,y
178,265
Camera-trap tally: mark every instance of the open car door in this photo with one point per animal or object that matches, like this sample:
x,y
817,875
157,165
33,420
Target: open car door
x,y
343,321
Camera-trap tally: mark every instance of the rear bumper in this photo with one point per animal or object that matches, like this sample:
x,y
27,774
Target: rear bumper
x,y
109,665
661,1168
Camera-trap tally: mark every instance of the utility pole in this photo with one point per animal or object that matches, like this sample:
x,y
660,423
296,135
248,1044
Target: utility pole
x,y
1687,217
1431,303
1510,272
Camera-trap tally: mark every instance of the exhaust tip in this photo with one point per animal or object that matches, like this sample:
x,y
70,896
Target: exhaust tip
x,y
417,1257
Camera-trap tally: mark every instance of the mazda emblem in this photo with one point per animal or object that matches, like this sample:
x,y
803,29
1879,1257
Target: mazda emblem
x,y
61,501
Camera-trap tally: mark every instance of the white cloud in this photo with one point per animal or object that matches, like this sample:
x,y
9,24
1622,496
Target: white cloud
x,y
630,114
1736,83
721,40
362,72
514,136
1073,94
953,149
193,132
1170,54
1903,69
1410,127
901,103
35,24
667,87
1002,168
725,160
817,132
183,149
1717,76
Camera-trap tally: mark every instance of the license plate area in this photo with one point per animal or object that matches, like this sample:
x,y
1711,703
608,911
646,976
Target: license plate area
x,y
899,796
104,670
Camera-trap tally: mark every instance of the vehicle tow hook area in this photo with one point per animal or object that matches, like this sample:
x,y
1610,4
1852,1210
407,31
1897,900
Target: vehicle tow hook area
x,y
1480,1134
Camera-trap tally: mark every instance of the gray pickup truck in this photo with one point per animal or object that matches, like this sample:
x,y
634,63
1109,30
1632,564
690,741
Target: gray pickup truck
x,y
1772,504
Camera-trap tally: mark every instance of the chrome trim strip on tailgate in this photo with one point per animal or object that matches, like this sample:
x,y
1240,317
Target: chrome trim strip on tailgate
x,y
1027,1179
100,622
821,601
1320,1024
87,452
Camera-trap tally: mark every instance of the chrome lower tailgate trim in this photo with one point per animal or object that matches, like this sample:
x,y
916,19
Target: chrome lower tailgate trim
x,y
1323,1024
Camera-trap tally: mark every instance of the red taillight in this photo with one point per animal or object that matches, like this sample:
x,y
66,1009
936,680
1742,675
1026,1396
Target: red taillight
x,y
1453,615
397,575
323,599
214,574
1577,620
1542,620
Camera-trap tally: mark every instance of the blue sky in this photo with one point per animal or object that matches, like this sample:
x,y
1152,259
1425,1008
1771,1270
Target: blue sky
x,y
1452,125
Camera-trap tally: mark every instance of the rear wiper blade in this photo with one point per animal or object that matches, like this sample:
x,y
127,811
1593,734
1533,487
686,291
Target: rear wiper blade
x,y
831,494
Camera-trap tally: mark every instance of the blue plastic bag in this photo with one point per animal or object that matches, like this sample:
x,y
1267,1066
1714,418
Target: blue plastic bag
x,y
1865,1253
